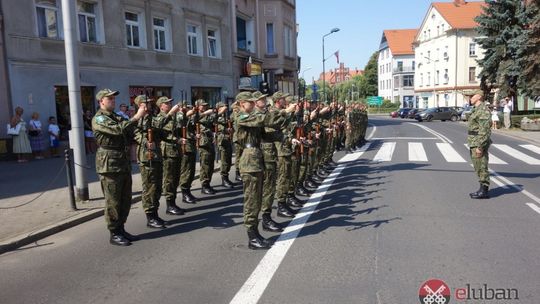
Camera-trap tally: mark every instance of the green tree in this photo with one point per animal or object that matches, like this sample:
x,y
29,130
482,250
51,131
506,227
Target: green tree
x,y
529,82
501,31
370,85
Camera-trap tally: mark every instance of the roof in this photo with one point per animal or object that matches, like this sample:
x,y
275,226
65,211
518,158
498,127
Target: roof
x,y
460,16
400,41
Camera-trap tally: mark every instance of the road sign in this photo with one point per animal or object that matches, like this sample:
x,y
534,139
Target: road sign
x,y
314,87
374,100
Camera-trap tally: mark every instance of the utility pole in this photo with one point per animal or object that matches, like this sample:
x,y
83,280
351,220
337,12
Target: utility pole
x,y
76,139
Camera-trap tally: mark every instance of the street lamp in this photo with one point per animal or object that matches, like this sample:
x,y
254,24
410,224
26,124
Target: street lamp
x,y
307,69
334,30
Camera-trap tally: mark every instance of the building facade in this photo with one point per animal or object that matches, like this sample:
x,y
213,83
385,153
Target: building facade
x,y
340,74
446,54
396,65
160,47
5,96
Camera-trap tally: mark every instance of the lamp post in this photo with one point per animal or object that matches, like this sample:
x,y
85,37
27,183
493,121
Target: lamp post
x,y
307,69
334,30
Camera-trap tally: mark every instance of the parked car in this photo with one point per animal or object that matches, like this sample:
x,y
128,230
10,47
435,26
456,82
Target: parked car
x,y
403,112
439,113
466,112
412,113
394,114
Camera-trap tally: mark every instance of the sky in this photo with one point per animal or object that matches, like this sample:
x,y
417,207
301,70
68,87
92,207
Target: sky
x,y
361,23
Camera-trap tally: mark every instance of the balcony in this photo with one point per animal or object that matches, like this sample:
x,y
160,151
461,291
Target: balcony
x,y
406,69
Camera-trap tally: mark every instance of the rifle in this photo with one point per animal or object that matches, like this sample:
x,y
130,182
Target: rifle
x,y
150,131
300,130
197,124
310,138
216,130
184,129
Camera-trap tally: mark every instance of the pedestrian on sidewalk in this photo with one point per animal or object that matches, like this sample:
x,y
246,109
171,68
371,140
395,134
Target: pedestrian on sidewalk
x,y
113,135
494,118
21,143
54,136
37,139
479,140
507,110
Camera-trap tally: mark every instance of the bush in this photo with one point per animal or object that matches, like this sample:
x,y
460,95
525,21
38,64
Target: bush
x,y
516,119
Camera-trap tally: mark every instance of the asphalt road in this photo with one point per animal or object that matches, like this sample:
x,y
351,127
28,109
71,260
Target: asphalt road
x,y
389,218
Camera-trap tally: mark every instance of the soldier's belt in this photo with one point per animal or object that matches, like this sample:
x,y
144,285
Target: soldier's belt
x,y
472,132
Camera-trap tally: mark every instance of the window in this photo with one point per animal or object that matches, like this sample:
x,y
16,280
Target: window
x,y
436,80
429,78
400,66
429,55
47,19
428,34
288,41
87,21
270,48
396,83
214,45
472,74
193,40
413,65
472,49
133,26
408,80
241,34
389,84
437,54
421,79
438,30
446,78
160,42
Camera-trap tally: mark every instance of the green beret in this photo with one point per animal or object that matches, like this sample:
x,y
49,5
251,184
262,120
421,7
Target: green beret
x,y
106,93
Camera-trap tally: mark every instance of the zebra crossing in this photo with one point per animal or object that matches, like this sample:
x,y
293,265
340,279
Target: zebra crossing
x,y
500,154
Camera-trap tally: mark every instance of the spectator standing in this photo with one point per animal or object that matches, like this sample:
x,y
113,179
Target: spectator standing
x,y
507,110
89,140
123,111
494,118
54,136
21,143
37,139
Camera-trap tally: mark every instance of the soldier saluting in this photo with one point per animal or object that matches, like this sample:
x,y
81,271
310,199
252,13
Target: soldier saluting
x,y
479,133
113,135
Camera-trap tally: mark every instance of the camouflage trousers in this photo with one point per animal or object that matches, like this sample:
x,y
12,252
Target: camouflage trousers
x,y
187,172
480,165
295,173
152,179
252,182
207,156
237,153
171,177
283,178
269,186
225,151
117,192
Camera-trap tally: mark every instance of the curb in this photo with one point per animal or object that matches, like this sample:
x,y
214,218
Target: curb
x,y
515,136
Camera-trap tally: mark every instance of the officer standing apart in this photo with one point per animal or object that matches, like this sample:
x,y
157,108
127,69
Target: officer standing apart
x,y
113,135
479,133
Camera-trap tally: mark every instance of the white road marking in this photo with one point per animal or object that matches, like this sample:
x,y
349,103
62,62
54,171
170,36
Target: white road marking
x,y
518,188
437,134
449,153
417,152
408,138
254,287
385,152
373,129
534,207
498,183
518,154
533,148
493,160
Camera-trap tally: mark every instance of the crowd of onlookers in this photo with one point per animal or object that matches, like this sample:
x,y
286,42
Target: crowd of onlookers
x,y
37,139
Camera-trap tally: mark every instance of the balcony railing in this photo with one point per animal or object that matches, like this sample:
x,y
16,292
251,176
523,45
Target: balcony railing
x,y
406,69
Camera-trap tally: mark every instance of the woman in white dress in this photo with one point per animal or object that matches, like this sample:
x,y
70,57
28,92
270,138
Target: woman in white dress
x,y
494,118
21,143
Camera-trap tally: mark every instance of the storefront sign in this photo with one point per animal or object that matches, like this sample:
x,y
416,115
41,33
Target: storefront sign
x,y
245,83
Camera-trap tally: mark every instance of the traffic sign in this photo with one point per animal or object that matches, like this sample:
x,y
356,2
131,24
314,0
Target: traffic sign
x,y
374,100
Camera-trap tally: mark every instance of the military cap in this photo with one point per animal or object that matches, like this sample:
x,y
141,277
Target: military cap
x,y
163,99
279,95
106,93
142,99
244,96
221,104
478,92
258,95
201,102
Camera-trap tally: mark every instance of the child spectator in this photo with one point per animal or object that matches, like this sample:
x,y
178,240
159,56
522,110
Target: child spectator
x,y
54,136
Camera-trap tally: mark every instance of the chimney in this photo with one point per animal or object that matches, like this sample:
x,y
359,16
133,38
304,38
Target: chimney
x,y
460,2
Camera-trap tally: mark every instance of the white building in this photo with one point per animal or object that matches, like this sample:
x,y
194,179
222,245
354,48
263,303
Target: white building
x,y
446,54
396,66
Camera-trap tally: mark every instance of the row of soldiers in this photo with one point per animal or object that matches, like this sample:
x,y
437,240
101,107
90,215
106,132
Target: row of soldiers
x,y
283,148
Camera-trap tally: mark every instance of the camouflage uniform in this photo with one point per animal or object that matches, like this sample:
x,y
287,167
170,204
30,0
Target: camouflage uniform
x,y
224,143
187,173
207,151
479,132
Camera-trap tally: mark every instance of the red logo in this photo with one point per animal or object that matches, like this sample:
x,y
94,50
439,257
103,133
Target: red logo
x,y
434,291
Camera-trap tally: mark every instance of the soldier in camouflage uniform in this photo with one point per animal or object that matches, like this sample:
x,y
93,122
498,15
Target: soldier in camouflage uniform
x,y
224,142
296,128
237,147
479,133
207,151
171,151
187,171
150,164
250,128
113,135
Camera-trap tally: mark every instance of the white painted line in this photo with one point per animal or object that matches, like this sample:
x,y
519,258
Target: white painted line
x,y
439,135
513,185
493,160
407,138
356,155
373,129
518,154
449,153
534,207
254,287
533,148
417,152
385,152
498,183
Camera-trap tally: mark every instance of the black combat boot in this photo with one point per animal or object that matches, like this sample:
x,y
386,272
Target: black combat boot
x,y
309,183
269,224
237,176
187,197
130,237
322,173
153,221
173,209
477,191
483,193
316,179
118,239
285,211
207,189
300,190
256,241
225,182
293,201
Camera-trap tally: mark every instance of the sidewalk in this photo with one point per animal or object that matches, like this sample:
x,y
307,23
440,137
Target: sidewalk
x,y
531,136
34,200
